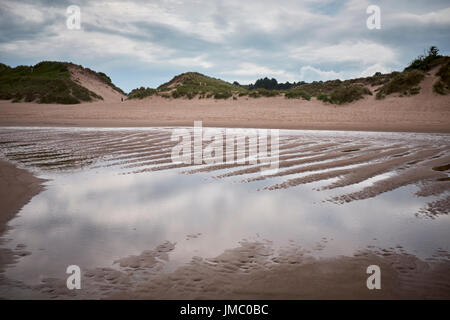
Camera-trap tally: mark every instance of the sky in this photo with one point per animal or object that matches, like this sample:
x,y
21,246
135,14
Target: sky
x,y
146,43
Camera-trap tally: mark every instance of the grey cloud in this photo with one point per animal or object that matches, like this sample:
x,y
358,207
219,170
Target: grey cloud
x,y
216,37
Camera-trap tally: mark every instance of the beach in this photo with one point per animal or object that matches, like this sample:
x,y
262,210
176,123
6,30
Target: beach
x,y
142,227
422,113
17,187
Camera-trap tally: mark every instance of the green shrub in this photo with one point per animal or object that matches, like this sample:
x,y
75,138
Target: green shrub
x,y
222,95
191,84
414,90
297,94
46,82
190,95
346,94
176,94
442,86
426,62
141,93
268,93
323,97
404,83
254,94
317,87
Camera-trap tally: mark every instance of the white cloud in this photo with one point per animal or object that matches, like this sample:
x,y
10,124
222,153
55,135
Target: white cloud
x,y
364,52
77,43
247,69
26,12
370,71
440,17
309,73
311,39
199,61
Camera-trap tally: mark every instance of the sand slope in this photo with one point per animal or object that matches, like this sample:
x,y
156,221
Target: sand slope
x,y
89,81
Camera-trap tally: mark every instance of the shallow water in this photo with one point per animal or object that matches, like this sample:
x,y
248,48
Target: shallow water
x,y
95,210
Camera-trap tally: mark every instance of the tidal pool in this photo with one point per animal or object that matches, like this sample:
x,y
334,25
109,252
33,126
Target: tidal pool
x,y
99,205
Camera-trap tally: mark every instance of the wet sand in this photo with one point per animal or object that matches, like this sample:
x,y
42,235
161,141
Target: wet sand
x,y
17,187
348,159
252,270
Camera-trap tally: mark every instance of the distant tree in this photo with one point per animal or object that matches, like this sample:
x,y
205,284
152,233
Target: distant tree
x,y
425,62
272,84
433,51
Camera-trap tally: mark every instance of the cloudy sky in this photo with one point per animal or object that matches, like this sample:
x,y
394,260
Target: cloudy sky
x,y
148,42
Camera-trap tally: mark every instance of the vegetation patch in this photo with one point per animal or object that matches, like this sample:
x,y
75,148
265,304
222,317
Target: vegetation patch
x,y
266,92
427,61
323,97
405,83
192,84
45,82
348,93
141,93
270,84
345,94
222,95
297,94
442,86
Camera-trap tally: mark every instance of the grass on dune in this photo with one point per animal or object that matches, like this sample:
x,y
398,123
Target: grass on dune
x,y
192,84
333,91
141,93
345,94
46,82
442,86
296,94
406,83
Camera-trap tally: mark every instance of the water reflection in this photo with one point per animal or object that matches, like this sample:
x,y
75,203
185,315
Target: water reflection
x,y
91,218
95,215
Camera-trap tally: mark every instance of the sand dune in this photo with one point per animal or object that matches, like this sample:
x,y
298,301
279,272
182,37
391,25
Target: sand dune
x,y
425,112
91,82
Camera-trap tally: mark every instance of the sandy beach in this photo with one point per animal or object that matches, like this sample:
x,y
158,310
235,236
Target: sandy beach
x,y
423,112
18,186
406,114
